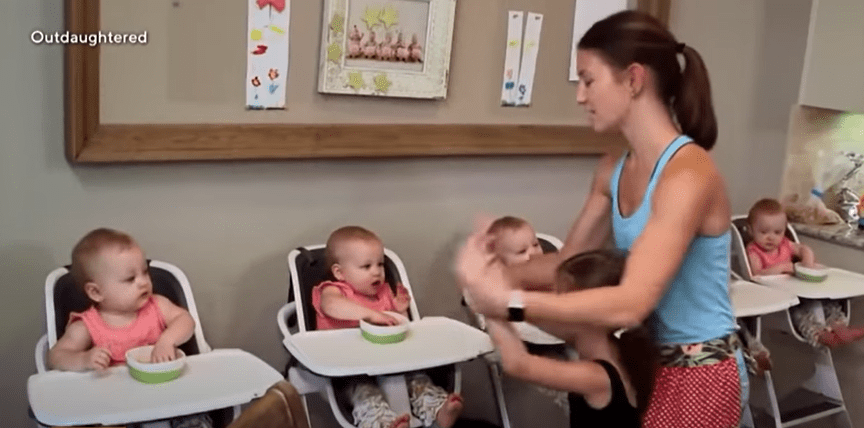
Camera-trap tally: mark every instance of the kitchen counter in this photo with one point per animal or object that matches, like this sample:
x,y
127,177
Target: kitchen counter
x,y
834,233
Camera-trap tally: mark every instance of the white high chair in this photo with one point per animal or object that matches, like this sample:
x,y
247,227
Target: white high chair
x,y
529,334
324,357
819,396
63,296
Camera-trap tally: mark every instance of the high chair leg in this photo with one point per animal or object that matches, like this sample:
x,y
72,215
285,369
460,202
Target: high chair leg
x,y
817,397
774,405
495,375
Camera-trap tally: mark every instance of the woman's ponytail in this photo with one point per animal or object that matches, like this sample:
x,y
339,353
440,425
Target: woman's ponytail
x,y
692,103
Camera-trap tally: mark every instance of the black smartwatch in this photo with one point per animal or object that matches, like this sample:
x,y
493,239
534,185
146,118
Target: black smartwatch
x,y
516,307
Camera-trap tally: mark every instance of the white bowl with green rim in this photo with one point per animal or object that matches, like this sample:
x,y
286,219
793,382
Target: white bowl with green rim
x,y
816,273
140,367
384,334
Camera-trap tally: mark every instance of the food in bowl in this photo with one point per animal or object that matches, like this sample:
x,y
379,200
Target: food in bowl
x,y
816,273
385,333
140,367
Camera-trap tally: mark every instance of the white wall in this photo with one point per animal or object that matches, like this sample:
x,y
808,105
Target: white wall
x,y
230,225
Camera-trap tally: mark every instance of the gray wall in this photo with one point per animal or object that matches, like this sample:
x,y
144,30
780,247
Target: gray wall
x,y
230,226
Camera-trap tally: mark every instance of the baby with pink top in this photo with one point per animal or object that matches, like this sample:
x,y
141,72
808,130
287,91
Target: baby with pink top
x,y
771,253
110,268
358,290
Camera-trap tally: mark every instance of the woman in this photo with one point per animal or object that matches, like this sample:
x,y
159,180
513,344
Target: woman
x,y
664,201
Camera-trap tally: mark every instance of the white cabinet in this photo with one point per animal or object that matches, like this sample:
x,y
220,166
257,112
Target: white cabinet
x,y
833,75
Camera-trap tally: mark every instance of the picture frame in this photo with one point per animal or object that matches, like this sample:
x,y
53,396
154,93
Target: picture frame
x,y
392,48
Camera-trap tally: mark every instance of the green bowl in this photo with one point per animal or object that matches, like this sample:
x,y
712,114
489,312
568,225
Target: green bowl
x,y
384,334
812,274
137,359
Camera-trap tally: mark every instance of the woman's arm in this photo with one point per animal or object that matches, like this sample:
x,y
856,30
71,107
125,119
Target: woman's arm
x,y
688,185
589,232
582,377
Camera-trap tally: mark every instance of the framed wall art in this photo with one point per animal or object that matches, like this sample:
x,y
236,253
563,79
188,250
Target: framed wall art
x,y
391,48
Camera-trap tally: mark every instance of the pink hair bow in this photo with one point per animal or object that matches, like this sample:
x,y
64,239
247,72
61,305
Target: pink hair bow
x,y
279,5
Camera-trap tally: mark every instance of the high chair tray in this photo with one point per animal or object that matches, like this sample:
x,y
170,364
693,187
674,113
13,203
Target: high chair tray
x,y
749,299
213,380
535,335
840,284
431,342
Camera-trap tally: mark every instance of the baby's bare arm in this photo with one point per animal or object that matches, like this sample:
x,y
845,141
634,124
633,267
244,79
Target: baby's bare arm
x,y
808,258
335,305
758,269
179,325
75,352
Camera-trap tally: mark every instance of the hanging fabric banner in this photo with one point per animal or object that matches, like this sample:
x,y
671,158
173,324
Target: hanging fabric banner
x,y
267,53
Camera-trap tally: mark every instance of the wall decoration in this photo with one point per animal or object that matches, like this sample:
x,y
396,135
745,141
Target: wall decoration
x,y
395,48
588,12
512,55
530,47
267,53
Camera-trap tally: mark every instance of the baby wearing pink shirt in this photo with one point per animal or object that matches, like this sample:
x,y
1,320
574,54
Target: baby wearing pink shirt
x,y
111,269
772,253
358,290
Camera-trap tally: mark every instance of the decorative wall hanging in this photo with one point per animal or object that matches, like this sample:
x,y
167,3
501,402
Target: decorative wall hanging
x,y
589,12
395,48
267,53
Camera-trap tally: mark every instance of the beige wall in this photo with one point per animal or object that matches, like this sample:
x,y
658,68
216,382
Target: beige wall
x,y
229,226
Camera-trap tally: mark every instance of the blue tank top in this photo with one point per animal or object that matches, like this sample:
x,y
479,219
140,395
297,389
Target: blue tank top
x,y
696,306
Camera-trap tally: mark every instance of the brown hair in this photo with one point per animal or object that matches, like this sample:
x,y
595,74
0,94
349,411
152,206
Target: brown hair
x,y
638,352
762,207
342,235
629,37
88,248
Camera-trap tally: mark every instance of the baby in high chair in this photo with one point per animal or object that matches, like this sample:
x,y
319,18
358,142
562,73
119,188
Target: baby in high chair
x,y
110,267
515,240
358,290
772,253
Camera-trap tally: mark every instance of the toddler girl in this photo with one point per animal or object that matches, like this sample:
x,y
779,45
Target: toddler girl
x,y
110,268
358,291
611,384
772,253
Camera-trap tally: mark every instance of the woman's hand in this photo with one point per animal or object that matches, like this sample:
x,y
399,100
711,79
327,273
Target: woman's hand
x,y
482,275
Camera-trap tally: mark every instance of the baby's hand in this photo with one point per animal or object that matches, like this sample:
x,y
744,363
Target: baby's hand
x,y
380,318
98,358
163,352
402,300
